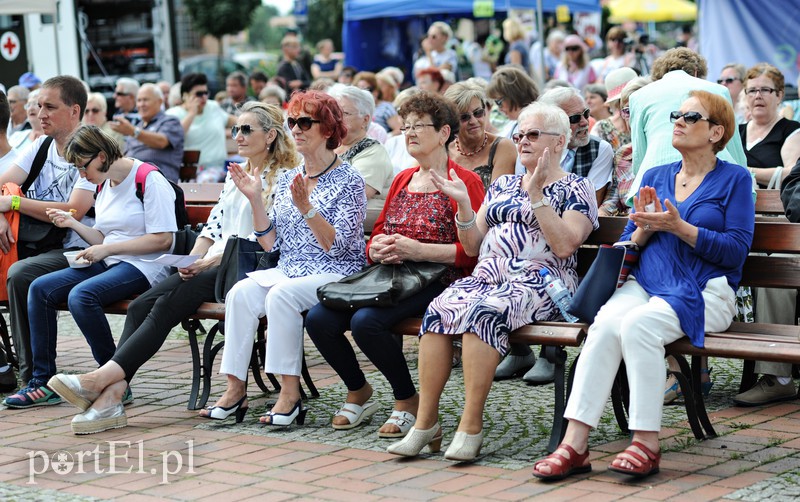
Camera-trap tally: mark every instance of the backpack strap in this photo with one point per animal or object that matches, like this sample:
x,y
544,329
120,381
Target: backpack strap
x,y
141,176
38,164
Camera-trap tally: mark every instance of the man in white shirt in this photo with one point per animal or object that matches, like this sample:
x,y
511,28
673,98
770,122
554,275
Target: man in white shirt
x,y
63,101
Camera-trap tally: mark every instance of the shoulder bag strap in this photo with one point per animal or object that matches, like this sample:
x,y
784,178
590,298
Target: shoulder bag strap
x,y
38,164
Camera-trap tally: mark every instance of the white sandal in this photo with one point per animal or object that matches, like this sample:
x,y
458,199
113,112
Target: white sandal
x,y
403,420
355,414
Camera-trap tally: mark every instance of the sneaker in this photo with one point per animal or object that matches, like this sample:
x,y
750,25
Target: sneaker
x,y
766,391
542,372
8,380
514,365
33,396
127,397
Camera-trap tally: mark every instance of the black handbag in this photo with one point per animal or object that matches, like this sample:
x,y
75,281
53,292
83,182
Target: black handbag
x,y
380,285
609,271
240,257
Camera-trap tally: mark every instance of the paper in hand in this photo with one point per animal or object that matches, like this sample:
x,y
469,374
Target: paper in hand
x,y
175,260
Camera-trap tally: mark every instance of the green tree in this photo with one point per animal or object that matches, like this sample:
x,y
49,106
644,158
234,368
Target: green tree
x,y
221,17
325,20
261,34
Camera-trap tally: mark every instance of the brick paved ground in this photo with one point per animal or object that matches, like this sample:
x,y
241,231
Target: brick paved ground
x,y
168,453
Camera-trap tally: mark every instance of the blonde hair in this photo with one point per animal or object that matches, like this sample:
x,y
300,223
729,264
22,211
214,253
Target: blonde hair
x,y
282,151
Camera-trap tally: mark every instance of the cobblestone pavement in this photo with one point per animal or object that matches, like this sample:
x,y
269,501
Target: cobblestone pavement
x,y
167,453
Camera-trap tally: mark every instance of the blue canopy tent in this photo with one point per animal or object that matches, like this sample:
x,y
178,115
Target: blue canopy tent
x,y
379,33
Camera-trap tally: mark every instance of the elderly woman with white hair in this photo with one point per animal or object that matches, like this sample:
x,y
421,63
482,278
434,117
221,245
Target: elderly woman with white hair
x,y
366,155
96,114
435,53
526,223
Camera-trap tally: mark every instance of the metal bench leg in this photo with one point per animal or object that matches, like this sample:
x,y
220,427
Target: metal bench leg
x,y
749,377
557,356
699,398
190,325
620,397
310,383
257,362
689,395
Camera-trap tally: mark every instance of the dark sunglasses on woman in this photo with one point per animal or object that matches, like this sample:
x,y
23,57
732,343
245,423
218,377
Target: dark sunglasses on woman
x,y
689,117
532,135
304,123
245,129
477,113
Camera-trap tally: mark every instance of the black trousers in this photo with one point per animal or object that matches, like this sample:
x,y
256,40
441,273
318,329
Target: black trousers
x,y
153,315
370,327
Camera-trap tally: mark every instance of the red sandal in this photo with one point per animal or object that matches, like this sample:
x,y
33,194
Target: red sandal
x,y
649,464
569,466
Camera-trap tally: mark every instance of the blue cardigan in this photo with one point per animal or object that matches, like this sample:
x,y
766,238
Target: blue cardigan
x,y
722,209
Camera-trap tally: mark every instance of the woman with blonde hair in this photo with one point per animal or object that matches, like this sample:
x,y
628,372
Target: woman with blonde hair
x,y
514,34
269,152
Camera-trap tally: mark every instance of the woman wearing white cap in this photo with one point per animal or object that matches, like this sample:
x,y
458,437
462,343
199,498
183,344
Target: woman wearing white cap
x,y
615,129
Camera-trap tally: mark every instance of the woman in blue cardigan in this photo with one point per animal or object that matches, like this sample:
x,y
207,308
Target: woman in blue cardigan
x,y
693,221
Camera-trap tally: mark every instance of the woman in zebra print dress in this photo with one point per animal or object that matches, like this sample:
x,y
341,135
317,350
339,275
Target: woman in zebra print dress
x,y
526,222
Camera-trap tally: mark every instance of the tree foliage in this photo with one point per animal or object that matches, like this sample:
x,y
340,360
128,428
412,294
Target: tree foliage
x,y
221,17
325,20
261,34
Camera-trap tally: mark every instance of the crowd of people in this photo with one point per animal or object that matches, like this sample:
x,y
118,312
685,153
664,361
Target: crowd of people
x,y
492,177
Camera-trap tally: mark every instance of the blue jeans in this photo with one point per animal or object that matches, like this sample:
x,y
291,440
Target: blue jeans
x,y
86,291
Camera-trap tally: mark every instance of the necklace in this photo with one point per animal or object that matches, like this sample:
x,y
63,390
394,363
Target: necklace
x,y
687,179
470,154
335,157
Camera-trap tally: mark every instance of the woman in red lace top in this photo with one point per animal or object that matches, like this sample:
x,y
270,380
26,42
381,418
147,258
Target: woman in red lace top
x,y
417,223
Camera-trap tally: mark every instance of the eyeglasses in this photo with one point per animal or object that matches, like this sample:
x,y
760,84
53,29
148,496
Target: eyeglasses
x,y
349,114
728,81
618,40
92,110
417,128
201,94
304,123
762,90
499,101
689,117
572,48
367,88
85,166
477,113
532,135
625,112
245,129
123,94
575,119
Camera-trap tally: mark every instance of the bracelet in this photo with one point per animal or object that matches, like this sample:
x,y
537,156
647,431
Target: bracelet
x,y
15,199
466,225
262,233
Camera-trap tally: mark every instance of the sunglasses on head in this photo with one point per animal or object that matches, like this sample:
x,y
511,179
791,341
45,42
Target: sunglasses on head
x,y
245,129
532,135
574,119
201,94
727,81
304,123
688,117
477,113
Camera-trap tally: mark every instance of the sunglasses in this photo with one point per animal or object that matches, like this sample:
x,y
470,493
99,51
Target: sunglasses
x,y
574,119
245,129
532,135
477,113
117,93
727,81
201,94
688,117
572,48
304,123
92,110
499,101
625,112
618,40
85,166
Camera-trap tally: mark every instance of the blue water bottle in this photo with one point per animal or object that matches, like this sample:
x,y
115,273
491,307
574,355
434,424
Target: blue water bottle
x,y
558,293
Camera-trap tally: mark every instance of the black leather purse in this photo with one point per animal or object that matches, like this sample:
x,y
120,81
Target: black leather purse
x,y
609,271
240,257
380,285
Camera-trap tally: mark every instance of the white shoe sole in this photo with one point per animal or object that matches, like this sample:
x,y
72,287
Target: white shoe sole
x,y
69,395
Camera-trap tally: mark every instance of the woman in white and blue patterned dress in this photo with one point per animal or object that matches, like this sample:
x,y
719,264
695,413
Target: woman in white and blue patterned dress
x,y
526,222
317,222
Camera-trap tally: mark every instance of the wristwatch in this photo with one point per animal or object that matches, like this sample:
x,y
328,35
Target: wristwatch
x,y
544,202
136,132
310,214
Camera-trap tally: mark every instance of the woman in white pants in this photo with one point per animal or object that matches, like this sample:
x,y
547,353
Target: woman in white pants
x,y
317,222
693,220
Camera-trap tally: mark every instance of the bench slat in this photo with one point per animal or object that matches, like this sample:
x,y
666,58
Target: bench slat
x,y
540,333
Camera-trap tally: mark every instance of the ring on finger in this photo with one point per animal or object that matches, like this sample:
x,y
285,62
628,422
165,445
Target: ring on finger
x,y
647,227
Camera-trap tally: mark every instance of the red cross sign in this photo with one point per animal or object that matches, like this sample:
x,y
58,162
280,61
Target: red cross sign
x,y
9,45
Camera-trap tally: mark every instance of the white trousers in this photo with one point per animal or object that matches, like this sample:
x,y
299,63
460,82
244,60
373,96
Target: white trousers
x,y
283,303
635,327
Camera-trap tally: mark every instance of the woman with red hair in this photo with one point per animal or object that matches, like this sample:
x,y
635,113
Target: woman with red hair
x,y
430,79
317,221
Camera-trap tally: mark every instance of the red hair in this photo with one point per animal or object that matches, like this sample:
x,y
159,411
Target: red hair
x,y
321,106
435,75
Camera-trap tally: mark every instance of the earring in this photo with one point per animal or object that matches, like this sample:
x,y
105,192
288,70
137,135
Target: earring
x,y
710,140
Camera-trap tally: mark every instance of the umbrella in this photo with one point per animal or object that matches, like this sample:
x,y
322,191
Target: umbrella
x,y
652,10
